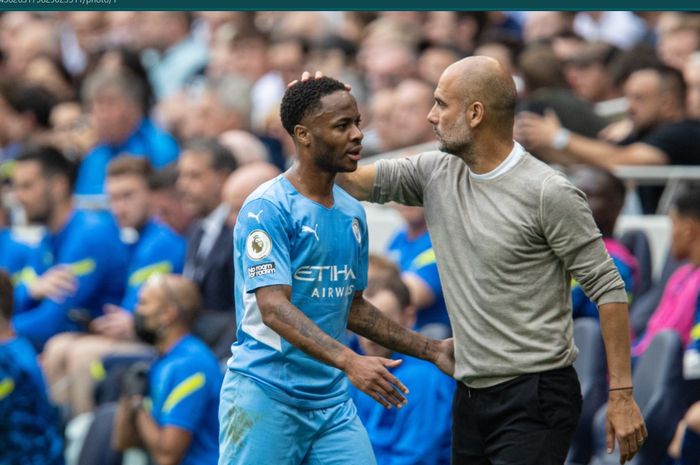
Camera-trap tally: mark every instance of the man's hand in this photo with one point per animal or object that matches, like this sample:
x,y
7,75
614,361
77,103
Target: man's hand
x,y
625,425
371,376
445,358
57,284
535,131
116,323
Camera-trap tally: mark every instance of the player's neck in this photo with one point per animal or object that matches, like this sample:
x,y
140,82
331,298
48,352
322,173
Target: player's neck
x,y
312,183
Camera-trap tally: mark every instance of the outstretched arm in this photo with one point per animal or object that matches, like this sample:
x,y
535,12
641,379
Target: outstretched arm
x,y
369,374
359,183
366,320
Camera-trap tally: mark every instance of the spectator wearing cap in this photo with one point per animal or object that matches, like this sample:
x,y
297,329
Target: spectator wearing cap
x,y
116,103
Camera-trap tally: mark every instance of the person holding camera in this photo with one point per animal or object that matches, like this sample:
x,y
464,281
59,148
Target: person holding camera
x,y
167,409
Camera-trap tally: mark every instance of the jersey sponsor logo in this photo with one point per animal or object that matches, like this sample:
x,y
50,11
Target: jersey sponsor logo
x,y
255,216
261,270
329,274
258,245
357,232
310,230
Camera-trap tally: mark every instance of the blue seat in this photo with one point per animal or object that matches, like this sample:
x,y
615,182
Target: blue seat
x,y
637,242
658,390
97,448
591,367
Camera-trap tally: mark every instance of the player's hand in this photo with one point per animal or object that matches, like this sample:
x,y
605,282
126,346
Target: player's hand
x,y
625,425
371,376
57,284
305,76
116,323
445,359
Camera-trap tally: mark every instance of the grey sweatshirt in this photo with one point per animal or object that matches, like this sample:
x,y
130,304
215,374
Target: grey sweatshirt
x,y
507,248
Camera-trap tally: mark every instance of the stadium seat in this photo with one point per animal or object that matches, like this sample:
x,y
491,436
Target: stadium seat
x,y
658,390
97,449
643,306
591,368
637,242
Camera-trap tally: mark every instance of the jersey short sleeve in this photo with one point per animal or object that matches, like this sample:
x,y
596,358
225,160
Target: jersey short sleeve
x,y
263,244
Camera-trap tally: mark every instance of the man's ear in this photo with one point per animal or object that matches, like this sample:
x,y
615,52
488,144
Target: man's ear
x,y
302,135
475,114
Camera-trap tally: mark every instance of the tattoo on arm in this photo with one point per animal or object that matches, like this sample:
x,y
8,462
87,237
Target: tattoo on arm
x,y
366,320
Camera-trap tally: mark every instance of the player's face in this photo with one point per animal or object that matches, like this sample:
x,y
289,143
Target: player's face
x,y
336,135
129,199
448,119
682,229
33,191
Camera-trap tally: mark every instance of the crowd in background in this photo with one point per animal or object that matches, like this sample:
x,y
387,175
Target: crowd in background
x,y
133,140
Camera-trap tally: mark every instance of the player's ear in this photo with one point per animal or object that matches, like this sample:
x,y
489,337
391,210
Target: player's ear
x,y
302,135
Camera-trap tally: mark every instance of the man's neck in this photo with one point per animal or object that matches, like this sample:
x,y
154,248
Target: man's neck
x,y
312,182
487,155
6,332
415,230
60,216
172,337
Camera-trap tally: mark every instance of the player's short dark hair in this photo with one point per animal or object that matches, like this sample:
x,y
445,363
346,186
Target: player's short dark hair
x,y
52,161
303,98
6,296
688,202
33,99
129,165
220,158
164,179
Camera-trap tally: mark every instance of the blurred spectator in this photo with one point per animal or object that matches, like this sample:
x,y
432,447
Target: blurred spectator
x,y
49,73
685,447
152,249
244,146
676,45
14,253
80,264
679,305
620,28
546,90
405,436
180,426
71,131
412,250
433,61
167,205
412,101
380,267
203,169
24,116
241,183
29,430
125,60
34,38
606,196
116,101
541,25
379,136
174,55
691,74
80,37
662,133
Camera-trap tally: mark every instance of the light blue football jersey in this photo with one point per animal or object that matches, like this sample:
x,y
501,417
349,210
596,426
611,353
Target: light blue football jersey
x,y
284,238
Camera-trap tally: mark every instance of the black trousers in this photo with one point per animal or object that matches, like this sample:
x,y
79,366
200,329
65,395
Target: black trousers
x,y
529,420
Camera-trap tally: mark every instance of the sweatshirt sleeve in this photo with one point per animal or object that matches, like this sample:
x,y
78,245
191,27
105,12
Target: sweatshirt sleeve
x,y
573,236
403,180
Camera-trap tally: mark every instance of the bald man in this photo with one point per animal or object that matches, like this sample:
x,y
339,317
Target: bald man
x,y
509,232
181,426
241,183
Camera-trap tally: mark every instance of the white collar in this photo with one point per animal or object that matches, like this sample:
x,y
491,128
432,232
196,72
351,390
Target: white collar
x,y
506,165
214,220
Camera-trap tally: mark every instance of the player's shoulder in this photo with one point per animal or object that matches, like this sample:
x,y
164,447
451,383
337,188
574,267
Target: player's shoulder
x,y
272,192
347,202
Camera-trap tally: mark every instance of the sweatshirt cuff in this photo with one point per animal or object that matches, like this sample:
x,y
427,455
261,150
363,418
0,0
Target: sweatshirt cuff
x,y
613,296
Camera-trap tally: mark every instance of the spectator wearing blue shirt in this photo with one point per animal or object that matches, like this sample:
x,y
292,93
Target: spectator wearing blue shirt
x,y
79,265
412,251
116,103
152,249
177,424
29,431
13,252
420,432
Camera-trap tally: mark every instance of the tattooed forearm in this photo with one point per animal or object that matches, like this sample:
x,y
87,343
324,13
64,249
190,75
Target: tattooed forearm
x,y
369,322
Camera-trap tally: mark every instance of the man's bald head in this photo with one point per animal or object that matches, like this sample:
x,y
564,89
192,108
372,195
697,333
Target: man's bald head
x,y
485,80
179,292
242,182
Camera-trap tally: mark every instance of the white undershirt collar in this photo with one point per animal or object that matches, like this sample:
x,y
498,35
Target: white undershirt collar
x,y
506,165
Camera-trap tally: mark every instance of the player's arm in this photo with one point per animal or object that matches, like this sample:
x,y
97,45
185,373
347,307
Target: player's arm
x,y
168,444
359,183
369,374
366,320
